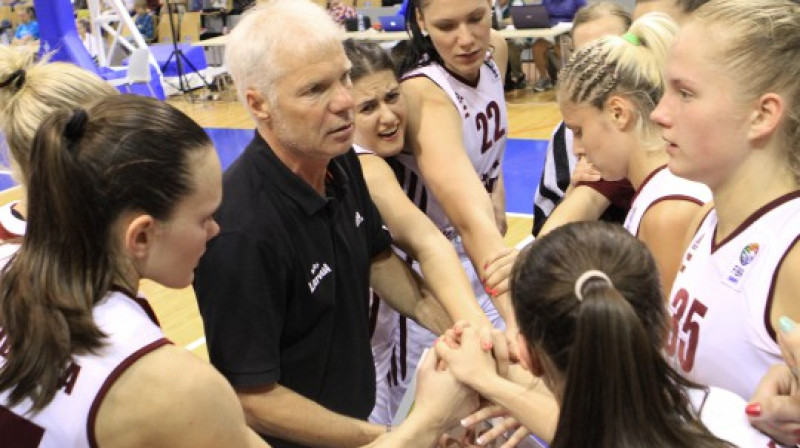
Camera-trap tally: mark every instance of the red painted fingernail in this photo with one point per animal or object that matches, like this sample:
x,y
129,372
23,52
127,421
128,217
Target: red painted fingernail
x,y
488,291
753,409
486,345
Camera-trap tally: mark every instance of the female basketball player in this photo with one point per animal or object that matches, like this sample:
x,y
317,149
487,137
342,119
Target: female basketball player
x,y
592,324
730,116
606,93
28,93
115,195
380,120
455,140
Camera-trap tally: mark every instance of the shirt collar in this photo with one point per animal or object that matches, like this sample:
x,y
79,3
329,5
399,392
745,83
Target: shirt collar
x,y
277,175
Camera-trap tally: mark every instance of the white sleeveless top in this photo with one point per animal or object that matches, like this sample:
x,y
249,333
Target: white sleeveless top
x,y
68,421
11,225
721,299
362,150
662,185
722,412
484,130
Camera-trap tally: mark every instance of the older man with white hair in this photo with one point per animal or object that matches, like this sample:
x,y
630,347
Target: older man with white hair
x,y
283,289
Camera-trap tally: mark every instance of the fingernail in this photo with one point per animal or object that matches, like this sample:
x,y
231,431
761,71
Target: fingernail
x,y
786,324
753,409
486,345
479,441
493,293
488,291
464,423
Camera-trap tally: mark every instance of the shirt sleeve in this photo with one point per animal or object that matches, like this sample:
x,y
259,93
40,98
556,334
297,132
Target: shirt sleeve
x,y
241,292
618,192
378,237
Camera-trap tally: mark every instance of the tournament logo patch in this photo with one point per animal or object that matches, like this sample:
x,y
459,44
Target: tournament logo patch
x,y
748,254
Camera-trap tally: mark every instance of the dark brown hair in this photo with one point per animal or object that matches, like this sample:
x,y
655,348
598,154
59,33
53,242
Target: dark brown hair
x,y
87,168
367,58
619,390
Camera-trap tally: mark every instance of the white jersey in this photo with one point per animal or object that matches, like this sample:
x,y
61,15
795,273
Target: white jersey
x,y
722,412
68,421
362,150
12,225
721,299
484,122
662,185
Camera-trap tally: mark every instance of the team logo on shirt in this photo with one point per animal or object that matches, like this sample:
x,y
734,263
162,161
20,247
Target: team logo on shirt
x,y
748,254
318,272
359,219
739,268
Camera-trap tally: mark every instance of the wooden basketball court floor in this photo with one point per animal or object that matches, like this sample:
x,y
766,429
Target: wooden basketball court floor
x,y
532,118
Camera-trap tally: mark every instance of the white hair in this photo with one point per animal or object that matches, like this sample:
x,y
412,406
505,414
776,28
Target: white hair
x,y
270,30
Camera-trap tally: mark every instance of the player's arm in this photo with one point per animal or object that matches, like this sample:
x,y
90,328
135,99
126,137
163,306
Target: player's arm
x,y
663,230
284,413
787,285
434,134
398,285
414,232
173,400
499,203
582,203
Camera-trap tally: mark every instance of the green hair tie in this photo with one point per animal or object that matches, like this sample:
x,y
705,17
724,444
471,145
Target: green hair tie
x,y
632,39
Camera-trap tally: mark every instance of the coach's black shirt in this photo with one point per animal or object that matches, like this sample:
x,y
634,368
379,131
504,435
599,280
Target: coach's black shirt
x,y
283,288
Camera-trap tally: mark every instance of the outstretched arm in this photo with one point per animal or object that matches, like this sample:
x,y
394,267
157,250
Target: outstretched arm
x,y
414,232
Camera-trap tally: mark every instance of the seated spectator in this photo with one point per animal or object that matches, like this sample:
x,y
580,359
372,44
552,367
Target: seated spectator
x,y
28,29
143,21
544,50
86,37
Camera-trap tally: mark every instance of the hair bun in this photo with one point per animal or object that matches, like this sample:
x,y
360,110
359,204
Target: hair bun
x,y
76,126
16,77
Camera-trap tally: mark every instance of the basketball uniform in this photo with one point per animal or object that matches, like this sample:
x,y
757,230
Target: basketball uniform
x,y
68,421
12,225
484,131
383,326
722,412
662,185
721,299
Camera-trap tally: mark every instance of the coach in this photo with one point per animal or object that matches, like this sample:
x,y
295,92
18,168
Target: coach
x,y
283,289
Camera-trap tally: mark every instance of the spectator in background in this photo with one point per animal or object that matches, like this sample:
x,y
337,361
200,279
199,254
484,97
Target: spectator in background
x,y
544,50
340,12
143,21
87,38
154,6
28,30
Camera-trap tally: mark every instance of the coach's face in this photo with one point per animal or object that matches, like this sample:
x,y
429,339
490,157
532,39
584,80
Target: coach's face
x,y
312,114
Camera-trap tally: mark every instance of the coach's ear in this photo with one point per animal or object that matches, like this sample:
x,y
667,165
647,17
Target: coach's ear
x,y
258,105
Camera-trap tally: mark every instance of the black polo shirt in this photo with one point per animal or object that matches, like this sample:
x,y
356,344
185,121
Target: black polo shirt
x,y
283,289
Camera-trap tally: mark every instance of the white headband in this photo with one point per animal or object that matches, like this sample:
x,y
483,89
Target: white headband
x,y
591,273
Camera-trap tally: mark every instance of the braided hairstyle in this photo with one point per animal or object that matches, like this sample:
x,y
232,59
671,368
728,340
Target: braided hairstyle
x,y
629,65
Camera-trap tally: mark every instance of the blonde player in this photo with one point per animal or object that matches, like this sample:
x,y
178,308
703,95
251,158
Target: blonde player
x,y
606,94
730,119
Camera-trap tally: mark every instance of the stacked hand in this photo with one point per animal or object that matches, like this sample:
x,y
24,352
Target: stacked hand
x,y
476,357
775,407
